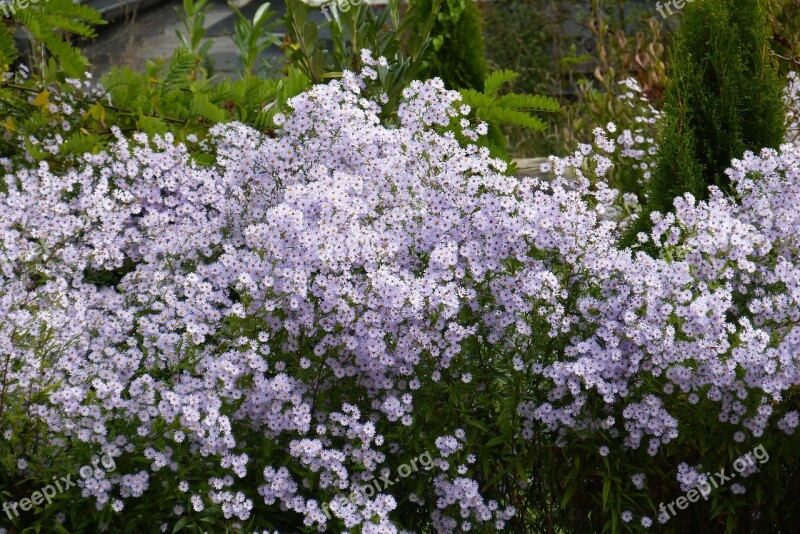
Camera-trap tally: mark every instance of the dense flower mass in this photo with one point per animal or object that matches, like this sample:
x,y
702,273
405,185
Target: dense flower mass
x,y
266,328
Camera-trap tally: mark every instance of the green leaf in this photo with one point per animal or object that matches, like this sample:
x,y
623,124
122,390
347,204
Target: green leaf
x,y
262,15
42,28
513,117
529,102
179,69
180,524
77,11
572,487
496,441
475,99
77,27
8,49
497,79
203,107
79,143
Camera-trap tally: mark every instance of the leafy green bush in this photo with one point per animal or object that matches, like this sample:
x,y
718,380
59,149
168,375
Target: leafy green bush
x,y
46,23
44,107
166,98
391,33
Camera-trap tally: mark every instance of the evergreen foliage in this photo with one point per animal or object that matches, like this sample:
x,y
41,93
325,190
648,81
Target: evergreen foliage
x,y
457,55
723,98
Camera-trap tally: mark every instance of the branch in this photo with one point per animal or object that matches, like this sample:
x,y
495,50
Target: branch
x,y
784,57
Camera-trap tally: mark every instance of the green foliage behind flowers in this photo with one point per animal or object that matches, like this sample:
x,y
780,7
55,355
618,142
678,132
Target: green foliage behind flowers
x,y
193,18
47,23
578,52
457,55
252,37
165,97
400,34
723,98
49,116
46,119
407,40
511,109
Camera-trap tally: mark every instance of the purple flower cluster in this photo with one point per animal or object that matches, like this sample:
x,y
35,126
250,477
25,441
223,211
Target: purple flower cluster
x,y
305,289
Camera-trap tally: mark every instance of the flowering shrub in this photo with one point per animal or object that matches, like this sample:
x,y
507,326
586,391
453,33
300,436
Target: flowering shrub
x,y
161,310
256,340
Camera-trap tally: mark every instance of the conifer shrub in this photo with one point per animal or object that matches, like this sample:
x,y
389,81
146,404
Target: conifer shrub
x,y
723,98
457,55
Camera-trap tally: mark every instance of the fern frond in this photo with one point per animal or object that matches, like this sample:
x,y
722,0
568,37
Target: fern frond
x,y
529,102
474,99
295,83
77,12
67,24
124,86
79,143
152,125
512,117
8,49
71,60
179,69
511,109
203,107
497,79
